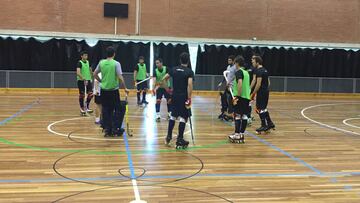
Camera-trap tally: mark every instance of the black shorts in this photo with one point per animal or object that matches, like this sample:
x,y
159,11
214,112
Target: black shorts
x,y
97,99
110,98
262,99
242,106
161,92
142,86
81,86
178,106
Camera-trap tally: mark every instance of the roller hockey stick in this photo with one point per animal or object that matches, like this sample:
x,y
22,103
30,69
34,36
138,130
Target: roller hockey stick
x,y
191,128
142,81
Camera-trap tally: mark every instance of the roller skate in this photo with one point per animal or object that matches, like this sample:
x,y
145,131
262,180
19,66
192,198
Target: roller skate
x,y
249,122
108,134
221,116
82,112
182,144
167,141
271,126
158,118
88,110
118,132
262,129
237,138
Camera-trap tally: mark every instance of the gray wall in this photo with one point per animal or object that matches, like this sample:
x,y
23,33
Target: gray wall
x,y
43,79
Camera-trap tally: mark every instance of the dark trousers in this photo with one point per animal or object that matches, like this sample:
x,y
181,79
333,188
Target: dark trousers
x,y
112,111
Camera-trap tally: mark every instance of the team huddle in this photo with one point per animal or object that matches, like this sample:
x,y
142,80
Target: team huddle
x,y
242,85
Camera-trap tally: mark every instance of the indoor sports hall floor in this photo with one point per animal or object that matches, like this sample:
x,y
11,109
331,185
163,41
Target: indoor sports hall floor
x,y
48,153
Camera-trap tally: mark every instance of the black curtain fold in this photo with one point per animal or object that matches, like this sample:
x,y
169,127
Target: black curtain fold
x,y
280,61
63,54
169,53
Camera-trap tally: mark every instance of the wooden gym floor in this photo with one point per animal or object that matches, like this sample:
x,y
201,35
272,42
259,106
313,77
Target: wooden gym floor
x,y
48,153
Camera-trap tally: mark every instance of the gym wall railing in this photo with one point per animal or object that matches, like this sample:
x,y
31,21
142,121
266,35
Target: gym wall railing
x,y
67,79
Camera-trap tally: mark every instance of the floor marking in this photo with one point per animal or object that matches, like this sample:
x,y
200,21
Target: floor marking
x,y
325,125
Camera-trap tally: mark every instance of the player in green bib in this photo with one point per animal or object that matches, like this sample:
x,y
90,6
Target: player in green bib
x,y
112,110
161,88
241,92
84,82
140,74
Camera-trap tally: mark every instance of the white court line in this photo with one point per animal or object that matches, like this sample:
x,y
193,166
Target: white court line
x,y
348,124
323,124
49,128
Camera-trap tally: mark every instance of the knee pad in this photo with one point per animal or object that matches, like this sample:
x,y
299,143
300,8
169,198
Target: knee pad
x,y
244,117
182,120
158,101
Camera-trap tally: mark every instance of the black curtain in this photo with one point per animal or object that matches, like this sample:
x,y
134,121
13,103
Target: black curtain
x,y
169,53
299,62
63,55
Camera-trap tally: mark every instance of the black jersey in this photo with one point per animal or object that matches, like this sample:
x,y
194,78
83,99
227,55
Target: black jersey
x,y
180,76
263,73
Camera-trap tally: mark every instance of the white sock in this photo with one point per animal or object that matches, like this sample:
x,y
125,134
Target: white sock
x,y
97,119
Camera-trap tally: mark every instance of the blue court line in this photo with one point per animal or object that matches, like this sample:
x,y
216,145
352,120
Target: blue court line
x,y
255,175
286,153
282,151
24,109
128,153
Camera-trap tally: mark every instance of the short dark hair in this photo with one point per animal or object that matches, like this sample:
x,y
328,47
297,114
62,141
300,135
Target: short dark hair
x,y
141,57
258,59
159,59
232,57
184,58
240,60
83,52
110,51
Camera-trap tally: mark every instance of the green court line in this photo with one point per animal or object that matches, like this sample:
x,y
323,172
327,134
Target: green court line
x,y
8,142
19,117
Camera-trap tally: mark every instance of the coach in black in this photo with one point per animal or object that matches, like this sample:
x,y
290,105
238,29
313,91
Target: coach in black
x,y
182,89
262,94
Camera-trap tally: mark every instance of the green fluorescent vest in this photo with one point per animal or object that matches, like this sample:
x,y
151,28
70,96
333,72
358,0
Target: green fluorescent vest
x,y
109,79
161,75
141,74
85,70
245,93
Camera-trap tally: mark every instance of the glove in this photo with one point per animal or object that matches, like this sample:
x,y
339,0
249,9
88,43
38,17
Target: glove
x,y
252,97
188,103
235,100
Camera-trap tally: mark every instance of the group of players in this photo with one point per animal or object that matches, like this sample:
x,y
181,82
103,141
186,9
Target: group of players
x,y
242,84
